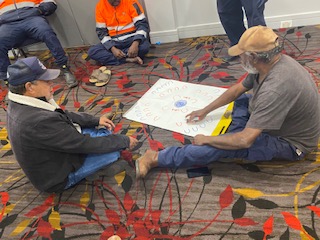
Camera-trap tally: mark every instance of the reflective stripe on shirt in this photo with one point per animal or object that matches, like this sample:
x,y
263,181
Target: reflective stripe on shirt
x,y
12,5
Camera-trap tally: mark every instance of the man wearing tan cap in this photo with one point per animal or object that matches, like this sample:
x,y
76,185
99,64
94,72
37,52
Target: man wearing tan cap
x,y
279,120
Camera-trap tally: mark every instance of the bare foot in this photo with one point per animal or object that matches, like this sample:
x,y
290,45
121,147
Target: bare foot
x,y
135,60
145,163
114,237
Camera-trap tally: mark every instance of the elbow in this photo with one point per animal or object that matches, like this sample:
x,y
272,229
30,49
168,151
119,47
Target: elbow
x,y
245,143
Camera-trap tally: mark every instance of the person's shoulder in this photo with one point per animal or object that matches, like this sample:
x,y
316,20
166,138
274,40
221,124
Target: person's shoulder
x,y
131,2
33,116
287,61
101,4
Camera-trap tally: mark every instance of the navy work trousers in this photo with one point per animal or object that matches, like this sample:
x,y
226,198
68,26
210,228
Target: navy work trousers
x,y
105,57
93,162
265,147
231,16
15,33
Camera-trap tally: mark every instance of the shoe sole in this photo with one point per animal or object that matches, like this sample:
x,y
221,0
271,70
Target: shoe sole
x,y
138,176
73,85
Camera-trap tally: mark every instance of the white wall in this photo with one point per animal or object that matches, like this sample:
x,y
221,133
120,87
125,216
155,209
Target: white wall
x,y
171,20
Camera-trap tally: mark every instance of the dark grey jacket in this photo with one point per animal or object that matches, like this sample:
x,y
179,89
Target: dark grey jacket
x,y
46,143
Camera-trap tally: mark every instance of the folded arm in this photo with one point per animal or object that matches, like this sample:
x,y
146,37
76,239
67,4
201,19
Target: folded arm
x,y
232,141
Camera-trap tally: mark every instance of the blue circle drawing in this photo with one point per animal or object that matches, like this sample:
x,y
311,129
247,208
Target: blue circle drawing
x,y
180,103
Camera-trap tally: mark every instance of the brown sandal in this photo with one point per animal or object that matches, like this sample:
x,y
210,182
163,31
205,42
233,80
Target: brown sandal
x,y
94,76
103,78
100,76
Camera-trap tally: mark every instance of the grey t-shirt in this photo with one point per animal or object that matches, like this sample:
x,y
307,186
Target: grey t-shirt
x,y
286,104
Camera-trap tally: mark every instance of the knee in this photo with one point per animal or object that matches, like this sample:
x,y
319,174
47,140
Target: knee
x,y
243,100
5,43
91,51
98,51
144,48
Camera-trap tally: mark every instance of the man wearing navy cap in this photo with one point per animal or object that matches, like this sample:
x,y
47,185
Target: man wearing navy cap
x,y
56,149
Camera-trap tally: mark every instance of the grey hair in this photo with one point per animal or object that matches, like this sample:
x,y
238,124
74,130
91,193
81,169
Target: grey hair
x,y
19,89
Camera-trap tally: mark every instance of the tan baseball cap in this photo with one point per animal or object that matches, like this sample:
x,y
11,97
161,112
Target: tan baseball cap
x,y
255,39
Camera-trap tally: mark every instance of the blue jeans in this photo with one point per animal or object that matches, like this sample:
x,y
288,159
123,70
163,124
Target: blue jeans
x,y
15,33
231,16
93,162
265,147
105,57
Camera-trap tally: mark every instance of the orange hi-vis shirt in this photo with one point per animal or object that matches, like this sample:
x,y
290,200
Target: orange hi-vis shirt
x,y
119,20
8,5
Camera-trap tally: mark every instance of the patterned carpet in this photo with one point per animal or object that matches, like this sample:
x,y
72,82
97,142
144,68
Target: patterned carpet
x,y
268,200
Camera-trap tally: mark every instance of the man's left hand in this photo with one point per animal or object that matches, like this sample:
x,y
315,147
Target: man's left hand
x,y
106,122
133,50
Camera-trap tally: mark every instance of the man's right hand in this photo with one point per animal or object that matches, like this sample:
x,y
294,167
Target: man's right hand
x,y
196,116
118,53
133,143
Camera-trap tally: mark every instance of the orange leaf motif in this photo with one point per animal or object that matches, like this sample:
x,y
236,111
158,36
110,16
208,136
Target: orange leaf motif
x,y
315,209
268,226
44,229
155,145
178,136
245,222
219,75
226,197
4,197
113,217
117,128
108,232
42,208
292,221
128,202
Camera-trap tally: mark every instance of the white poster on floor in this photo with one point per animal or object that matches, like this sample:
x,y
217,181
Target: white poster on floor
x,y
167,102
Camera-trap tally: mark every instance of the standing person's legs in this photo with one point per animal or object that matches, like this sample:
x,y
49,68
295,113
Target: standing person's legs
x,y
254,11
39,28
231,17
10,35
93,162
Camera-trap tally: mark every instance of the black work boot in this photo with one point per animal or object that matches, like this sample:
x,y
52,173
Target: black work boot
x,y
3,79
3,83
69,77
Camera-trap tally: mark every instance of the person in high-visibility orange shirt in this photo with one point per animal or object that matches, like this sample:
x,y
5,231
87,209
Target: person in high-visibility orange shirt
x,y
123,30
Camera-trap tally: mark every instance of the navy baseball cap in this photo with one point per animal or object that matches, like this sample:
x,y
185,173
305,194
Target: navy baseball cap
x,y
30,69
